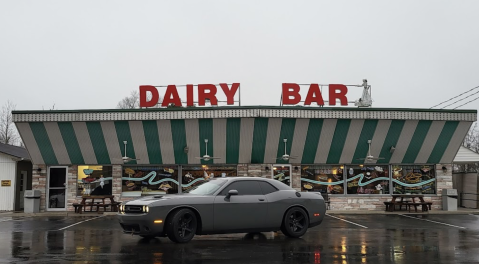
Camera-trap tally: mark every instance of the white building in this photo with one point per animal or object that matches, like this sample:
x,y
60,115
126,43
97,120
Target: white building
x,y
15,176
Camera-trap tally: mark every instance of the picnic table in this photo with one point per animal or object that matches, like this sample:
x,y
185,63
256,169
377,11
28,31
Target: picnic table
x,y
96,201
408,201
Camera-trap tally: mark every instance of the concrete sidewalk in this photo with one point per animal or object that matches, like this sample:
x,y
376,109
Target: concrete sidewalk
x,y
434,212
73,214
356,212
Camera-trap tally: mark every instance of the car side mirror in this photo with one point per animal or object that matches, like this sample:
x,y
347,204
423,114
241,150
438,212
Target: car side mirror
x,y
231,192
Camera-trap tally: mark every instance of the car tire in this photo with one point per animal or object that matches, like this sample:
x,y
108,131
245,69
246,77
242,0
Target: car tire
x,y
295,222
181,225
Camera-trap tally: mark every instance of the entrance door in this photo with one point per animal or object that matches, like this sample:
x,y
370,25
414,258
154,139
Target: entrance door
x,y
282,173
57,187
23,187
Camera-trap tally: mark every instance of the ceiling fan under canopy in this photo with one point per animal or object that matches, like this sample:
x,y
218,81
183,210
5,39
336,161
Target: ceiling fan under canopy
x,y
369,157
125,158
207,157
286,156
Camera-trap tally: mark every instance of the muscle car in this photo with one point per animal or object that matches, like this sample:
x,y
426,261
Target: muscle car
x,y
224,205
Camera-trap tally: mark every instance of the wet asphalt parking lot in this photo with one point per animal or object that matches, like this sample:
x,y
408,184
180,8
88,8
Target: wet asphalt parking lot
x,y
405,238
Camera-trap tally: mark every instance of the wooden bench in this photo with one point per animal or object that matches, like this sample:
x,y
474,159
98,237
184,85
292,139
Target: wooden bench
x,y
78,207
114,206
425,206
390,206
104,206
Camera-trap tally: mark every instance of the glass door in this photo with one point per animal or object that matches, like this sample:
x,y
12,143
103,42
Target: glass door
x,y
282,173
57,187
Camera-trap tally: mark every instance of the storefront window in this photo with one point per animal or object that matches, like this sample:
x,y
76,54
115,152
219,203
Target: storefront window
x,y
367,179
94,180
282,173
146,180
414,179
325,179
194,175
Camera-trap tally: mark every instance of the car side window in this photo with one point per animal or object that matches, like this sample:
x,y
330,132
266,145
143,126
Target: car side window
x,y
243,188
267,188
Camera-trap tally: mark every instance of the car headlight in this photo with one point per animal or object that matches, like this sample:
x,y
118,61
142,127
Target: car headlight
x,y
146,209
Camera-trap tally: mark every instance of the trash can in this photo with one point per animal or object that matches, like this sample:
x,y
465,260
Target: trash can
x,y
449,199
32,201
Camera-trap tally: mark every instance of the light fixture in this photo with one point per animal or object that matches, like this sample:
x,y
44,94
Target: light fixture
x,y
266,168
39,169
444,169
296,168
392,149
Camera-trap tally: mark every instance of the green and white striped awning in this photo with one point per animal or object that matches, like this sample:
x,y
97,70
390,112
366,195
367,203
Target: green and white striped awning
x,y
243,135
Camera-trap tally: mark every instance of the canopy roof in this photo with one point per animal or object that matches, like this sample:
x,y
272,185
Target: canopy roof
x,y
244,135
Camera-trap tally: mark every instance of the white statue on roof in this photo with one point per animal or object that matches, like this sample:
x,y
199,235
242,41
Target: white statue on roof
x,y
365,100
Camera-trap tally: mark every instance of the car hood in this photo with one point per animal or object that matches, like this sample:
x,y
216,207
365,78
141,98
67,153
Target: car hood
x,y
163,197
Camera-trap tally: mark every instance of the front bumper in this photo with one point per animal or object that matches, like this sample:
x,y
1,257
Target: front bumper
x,y
141,224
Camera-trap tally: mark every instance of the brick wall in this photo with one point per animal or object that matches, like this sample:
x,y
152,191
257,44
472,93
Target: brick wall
x,y
254,170
72,179
39,182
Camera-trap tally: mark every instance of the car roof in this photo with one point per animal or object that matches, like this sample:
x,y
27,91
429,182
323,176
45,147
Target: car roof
x,y
279,185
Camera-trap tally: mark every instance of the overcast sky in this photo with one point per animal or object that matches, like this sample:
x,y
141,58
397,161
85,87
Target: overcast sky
x,y
90,54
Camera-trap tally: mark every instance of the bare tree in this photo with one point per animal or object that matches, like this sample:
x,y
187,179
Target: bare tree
x,y
471,141
8,131
133,101
130,102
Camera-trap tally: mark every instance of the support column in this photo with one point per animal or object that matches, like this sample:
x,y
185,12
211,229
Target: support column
x,y
443,181
296,177
116,181
72,185
39,182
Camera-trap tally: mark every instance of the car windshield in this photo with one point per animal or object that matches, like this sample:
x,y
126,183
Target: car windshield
x,y
207,188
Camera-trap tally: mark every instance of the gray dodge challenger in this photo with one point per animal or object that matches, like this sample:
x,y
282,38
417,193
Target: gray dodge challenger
x,y
224,205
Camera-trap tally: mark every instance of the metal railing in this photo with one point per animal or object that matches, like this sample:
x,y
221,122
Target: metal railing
x,y
468,197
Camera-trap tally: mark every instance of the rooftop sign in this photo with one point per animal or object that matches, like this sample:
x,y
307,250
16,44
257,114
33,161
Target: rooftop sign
x,y
291,94
149,95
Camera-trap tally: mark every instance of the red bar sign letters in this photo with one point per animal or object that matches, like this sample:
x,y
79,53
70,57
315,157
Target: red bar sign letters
x,y
291,94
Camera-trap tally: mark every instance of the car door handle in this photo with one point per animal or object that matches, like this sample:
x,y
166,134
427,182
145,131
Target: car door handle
x,y
262,200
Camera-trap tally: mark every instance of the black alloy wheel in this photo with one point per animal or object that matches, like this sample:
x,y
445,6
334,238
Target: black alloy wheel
x,y
295,222
181,226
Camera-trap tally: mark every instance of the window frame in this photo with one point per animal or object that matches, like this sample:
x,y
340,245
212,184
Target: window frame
x,y
264,182
239,193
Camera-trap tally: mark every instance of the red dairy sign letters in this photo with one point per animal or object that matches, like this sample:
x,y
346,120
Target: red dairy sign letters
x,y
205,91
291,94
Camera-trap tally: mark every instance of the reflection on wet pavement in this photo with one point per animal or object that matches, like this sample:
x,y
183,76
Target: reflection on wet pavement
x,y
387,240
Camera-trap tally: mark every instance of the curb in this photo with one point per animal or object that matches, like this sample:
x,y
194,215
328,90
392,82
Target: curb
x,y
72,214
332,212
